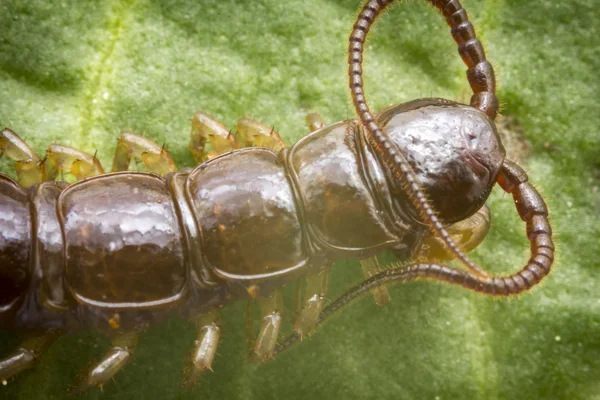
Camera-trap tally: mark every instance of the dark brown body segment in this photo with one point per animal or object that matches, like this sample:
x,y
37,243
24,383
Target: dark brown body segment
x,y
122,242
15,242
246,209
336,193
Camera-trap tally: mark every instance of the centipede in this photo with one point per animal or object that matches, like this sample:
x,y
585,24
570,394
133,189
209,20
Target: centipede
x,y
119,252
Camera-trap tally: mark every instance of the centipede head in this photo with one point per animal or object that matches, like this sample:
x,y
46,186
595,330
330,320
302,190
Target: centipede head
x,y
453,149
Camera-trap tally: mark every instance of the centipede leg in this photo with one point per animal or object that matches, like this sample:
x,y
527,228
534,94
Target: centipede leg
x,y
370,266
120,354
314,299
253,133
271,310
209,138
30,169
209,334
156,158
26,356
62,159
314,121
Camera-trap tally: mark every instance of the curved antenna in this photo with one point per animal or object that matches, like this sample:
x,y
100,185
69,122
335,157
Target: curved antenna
x,y
481,78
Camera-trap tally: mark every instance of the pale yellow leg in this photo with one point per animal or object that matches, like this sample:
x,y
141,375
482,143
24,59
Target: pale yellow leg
x,y
271,310
62,159
120,354
314,299
370,267
314,122
209,333
30,169
255,134
467,234
209,138
155,158
26,356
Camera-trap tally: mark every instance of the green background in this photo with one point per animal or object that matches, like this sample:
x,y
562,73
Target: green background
x,y
80,72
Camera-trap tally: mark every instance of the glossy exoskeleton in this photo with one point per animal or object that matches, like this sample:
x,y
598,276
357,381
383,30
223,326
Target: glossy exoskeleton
x,y
118,252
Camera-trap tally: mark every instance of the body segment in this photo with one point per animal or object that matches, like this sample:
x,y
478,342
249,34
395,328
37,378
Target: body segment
x,y
122,234
336,193
246,209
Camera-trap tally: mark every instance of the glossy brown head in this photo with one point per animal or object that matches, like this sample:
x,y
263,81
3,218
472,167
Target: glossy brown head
x,y
453,149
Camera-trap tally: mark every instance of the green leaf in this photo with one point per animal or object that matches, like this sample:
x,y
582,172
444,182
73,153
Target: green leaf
x,y
80,72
